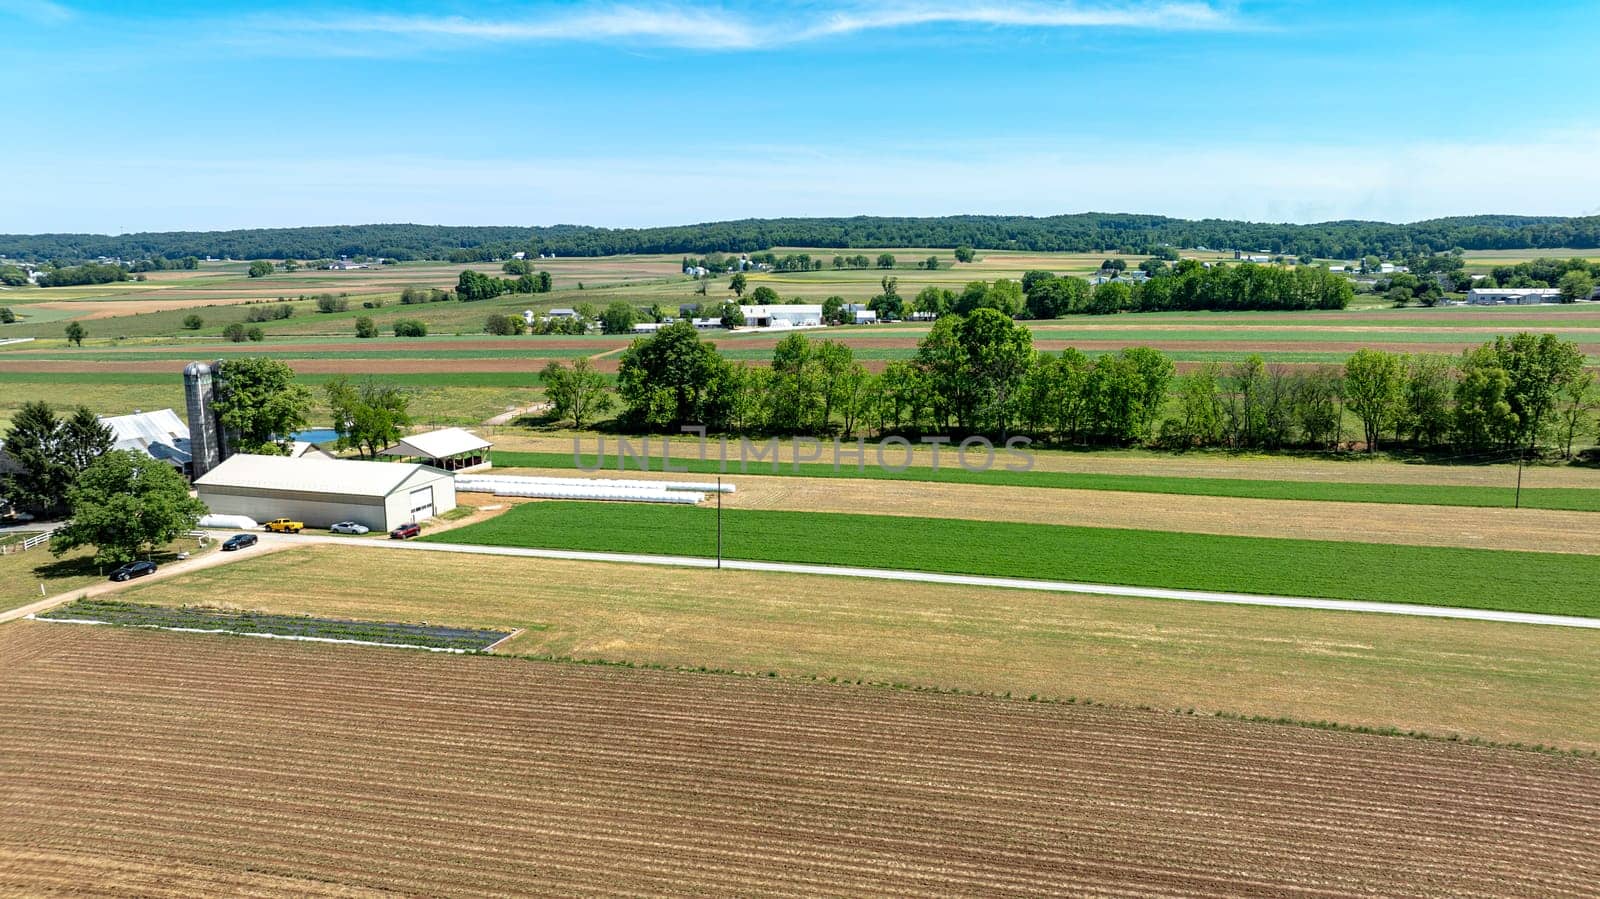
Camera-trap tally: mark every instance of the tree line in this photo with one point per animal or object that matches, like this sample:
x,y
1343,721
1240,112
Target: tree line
x,y
1084,232
979,374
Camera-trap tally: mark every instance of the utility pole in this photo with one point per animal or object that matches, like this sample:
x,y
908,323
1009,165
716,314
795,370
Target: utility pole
x,y
1517,503
719,523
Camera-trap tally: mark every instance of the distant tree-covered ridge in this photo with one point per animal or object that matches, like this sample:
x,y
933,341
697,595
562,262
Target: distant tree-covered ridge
x,y
1082,232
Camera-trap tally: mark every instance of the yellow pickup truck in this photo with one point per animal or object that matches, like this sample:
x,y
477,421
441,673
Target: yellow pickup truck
x,y
285,526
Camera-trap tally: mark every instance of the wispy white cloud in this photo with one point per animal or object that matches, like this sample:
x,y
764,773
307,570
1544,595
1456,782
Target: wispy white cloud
x,y
718,28
40,12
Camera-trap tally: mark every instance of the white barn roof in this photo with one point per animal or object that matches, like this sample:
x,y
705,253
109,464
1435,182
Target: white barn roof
x,y
162,426
313,474
438,444
160,434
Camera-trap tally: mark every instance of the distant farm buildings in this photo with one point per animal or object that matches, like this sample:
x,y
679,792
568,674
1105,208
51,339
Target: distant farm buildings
x,y
1512,296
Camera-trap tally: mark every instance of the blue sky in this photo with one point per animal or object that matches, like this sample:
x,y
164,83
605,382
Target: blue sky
x,y
194,115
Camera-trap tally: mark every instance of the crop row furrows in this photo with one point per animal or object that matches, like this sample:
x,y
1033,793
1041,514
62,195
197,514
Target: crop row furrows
x,y
609,846
632,802
1221,774
749,828
739,692
1157,751
636,759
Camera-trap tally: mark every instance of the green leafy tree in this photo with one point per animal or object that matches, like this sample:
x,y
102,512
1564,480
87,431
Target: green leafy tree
x,y
193,322
833,311
7,317
1577,400
663,379
935,301
998,353
964,253
260,405
124,505
260,268
885,260
49,453
256,335
1200,418
618,318
931,263
1375,391
365,329
738,283
1576,285
732,316
368,417
764,296
578,392
410,327
234,332
76,333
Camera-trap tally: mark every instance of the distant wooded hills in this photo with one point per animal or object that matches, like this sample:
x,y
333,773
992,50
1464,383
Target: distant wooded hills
x,y
1083,232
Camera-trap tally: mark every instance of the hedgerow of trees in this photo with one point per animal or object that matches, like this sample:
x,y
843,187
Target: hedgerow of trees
x,y
979,374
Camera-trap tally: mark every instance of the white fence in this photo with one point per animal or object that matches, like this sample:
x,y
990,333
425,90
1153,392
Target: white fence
x,y
25,545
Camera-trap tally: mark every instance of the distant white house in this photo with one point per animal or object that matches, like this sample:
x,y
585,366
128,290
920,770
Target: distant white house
x,y
1512,296
563,313
1242,256
696,271
519,255
860,314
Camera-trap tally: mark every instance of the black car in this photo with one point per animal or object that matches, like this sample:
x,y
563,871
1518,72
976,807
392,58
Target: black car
x,y
132,570
238,541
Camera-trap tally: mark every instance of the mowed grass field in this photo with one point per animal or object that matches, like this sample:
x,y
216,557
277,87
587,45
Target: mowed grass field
x,y
1552,583
144,762
1502,682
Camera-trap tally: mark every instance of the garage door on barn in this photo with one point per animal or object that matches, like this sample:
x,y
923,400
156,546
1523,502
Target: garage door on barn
x,y
422,503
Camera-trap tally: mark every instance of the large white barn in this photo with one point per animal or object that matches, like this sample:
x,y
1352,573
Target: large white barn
x,y
321,491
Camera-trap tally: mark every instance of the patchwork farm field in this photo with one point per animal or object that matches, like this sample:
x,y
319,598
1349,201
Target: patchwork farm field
x,y
1508,683
1552,583
311,770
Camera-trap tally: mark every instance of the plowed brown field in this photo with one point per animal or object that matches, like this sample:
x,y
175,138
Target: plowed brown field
x,y
291,769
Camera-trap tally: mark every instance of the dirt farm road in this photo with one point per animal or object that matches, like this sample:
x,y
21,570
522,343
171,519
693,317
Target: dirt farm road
x,y
274,542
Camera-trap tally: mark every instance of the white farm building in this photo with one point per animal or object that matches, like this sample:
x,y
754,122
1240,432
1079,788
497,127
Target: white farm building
x,y
321,491
779,317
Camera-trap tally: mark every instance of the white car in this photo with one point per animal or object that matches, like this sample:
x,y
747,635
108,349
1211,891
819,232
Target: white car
x,y
349,527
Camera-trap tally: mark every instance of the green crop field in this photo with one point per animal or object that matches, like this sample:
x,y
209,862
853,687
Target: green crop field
x,y
1570,498
1486,579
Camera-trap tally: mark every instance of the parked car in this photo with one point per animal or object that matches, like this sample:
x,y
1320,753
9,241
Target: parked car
x,y
132,570
238,541
285,526
349,527
404,531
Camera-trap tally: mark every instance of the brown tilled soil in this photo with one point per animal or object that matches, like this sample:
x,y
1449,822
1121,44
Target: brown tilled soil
x,y
1534,530
180,764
